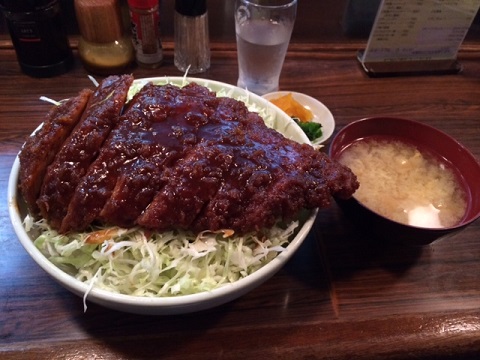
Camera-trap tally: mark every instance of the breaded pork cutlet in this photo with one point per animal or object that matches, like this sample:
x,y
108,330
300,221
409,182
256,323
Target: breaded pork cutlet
x,y
183,158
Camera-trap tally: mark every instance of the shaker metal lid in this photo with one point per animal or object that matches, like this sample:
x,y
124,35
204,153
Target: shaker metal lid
x,y
191,7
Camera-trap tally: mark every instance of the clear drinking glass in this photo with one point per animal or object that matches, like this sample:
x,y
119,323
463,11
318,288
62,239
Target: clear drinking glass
x,y
263,29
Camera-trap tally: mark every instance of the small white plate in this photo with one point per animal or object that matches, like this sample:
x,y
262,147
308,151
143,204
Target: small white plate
x,y
321,113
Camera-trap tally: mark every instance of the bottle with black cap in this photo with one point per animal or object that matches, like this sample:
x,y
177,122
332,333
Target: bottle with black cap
x,y
39,36
192,47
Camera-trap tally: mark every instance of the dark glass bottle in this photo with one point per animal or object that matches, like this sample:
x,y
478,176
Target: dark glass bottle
x,y
39,36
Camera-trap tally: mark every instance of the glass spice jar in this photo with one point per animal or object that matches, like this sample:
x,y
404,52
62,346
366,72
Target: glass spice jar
x,y
104,47
192,47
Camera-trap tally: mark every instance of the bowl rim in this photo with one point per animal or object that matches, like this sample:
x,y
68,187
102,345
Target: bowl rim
x,y
333,152
173,304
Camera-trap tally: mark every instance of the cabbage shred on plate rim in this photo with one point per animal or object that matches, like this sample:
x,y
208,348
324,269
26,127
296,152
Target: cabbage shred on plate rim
x,y
162,264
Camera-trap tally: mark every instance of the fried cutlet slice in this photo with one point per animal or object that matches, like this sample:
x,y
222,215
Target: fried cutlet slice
x,y
40,149
81,148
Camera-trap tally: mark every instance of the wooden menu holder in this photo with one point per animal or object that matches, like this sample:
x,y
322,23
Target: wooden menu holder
x,y
409,67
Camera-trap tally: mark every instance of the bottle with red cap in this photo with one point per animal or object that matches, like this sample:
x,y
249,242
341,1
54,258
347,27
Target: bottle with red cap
x,y
145,20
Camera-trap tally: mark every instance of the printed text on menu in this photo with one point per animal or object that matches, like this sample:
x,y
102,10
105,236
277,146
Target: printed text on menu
x,y
419,29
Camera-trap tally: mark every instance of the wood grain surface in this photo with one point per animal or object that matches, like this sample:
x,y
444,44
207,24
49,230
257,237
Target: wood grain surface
x,y
342,296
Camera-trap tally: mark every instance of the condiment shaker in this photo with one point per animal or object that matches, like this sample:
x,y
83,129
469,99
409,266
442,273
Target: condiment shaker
x,y
192,47
145,21
104,47
39,36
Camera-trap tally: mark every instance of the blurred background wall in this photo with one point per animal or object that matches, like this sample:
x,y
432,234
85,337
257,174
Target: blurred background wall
x,y
336,21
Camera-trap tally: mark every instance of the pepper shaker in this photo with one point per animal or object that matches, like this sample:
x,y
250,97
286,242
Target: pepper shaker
x,y
192,47
39,36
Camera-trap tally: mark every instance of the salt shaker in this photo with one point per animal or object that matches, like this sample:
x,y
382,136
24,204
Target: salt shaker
x,y
192,47
146,32
39,36
104,47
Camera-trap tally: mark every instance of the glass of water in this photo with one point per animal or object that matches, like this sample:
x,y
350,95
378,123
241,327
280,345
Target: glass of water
x,y
263,29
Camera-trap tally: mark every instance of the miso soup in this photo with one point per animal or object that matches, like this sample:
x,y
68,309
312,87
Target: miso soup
x,y
404,183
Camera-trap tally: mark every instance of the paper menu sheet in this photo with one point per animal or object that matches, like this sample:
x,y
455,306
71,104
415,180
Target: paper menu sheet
x,y
419,30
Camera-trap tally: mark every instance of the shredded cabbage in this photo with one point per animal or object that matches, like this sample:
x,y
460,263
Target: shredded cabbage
x,y
170,263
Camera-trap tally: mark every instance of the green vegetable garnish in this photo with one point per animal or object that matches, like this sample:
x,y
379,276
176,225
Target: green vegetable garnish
x,y
313,130
170,263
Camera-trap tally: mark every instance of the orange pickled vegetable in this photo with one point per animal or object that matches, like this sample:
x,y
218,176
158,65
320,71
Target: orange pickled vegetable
x,y
293,108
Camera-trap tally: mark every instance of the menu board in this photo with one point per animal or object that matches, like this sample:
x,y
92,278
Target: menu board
x,y
418,35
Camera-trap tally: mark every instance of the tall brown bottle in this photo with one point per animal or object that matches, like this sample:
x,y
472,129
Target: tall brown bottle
x,y
39,36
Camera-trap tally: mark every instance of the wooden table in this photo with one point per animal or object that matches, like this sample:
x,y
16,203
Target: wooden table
x,y
340,297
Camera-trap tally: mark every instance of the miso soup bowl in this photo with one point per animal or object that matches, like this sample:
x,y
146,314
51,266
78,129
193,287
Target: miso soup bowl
x,y
426,137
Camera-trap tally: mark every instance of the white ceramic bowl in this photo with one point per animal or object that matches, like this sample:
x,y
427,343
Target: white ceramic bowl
x,y
185,303
321,113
